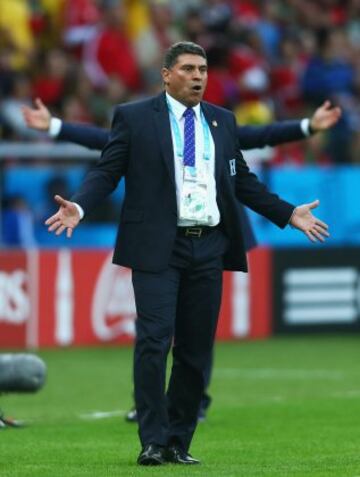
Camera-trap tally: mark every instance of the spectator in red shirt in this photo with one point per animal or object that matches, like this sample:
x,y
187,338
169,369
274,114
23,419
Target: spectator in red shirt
x,y
50,84
110,52
80,18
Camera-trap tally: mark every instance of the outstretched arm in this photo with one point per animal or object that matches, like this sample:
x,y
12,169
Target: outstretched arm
x,y
84,135
40,118
280,132
98,183
254,194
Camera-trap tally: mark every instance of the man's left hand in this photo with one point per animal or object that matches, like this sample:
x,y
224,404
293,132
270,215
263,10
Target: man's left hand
x,y
314,228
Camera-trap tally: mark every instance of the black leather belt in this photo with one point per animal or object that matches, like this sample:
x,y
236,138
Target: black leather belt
x,y
195,232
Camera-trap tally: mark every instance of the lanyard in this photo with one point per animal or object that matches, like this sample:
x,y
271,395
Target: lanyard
x,y
179,139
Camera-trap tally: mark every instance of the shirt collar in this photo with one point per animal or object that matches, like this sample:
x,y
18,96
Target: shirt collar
x,y
178,108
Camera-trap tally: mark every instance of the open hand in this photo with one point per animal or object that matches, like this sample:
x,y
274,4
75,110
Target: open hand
x,y
67,217
325,117
305,221
38,117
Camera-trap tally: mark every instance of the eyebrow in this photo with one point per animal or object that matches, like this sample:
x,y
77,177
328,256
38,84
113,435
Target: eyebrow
x,y
186,65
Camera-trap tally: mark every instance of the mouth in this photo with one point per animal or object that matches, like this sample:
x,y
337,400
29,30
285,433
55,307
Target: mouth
x,y
196,88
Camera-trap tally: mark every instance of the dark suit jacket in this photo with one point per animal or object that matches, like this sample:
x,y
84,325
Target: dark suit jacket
x,y
249,137
140,149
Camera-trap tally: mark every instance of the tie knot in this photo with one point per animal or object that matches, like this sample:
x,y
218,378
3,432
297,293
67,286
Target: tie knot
x,y
188,113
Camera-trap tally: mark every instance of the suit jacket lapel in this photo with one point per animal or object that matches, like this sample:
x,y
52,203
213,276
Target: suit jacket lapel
x,y
162,122
215,129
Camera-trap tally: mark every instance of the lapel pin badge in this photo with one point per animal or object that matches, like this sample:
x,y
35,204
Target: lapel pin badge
x,y
214,123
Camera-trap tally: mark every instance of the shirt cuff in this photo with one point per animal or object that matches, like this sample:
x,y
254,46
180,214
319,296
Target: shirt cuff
x,y
55,127
291,216
305,127
80,210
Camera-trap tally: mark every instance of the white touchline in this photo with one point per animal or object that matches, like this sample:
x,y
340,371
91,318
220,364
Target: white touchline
x,y
101,414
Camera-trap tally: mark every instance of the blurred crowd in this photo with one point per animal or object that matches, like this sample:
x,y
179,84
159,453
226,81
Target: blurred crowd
x,y
267,60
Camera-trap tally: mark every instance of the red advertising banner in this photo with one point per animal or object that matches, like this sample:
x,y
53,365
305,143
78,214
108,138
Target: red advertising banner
x,y
16,306
89,300
75,298
246,310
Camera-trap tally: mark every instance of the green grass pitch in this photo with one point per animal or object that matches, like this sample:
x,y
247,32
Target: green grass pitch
x,y
287,406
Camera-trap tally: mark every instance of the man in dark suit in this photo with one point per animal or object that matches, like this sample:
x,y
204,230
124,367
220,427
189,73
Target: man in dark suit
x,y
96,138
249,137
179,228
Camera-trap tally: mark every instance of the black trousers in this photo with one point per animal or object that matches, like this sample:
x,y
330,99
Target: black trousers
x,y
178,306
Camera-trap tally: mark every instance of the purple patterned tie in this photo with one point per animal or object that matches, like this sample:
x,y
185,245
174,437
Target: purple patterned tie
x,y
189,138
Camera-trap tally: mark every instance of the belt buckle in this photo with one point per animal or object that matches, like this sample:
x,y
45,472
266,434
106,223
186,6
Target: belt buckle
x,y
193,232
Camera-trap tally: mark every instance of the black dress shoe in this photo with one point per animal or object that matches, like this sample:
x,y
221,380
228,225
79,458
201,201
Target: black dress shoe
x,y
152,454
176,455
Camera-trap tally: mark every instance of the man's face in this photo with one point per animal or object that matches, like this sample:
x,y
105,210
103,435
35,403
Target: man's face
x,y
186,80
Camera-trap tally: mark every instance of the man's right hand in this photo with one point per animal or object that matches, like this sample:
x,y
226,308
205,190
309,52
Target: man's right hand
x,y
38,117
325,117
67,217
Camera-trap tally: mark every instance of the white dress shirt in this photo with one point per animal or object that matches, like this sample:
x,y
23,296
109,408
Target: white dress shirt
x,y
178,110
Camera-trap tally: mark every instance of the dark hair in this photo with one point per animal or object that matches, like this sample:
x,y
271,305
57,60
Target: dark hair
x,y
180,48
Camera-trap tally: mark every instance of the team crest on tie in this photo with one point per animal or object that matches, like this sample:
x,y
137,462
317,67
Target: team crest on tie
x,y
232,164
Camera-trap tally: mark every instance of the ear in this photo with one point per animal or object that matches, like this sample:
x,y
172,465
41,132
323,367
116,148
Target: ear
x,y
165,73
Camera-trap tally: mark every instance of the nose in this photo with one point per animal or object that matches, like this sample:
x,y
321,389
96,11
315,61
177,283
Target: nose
x,y
197,74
